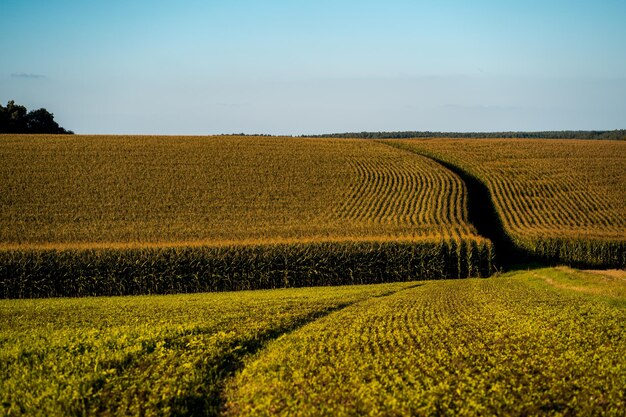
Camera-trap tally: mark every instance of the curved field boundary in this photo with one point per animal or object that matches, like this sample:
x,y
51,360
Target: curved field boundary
x,y
534,217
393,188
481,213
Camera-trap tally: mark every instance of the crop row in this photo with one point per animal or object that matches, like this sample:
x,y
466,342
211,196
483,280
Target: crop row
x,y
157,270
582,252
106,215
501,346
561,200
400,188
83,189
145,356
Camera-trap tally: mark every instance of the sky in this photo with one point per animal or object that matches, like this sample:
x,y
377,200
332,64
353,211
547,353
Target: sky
x,y
310,67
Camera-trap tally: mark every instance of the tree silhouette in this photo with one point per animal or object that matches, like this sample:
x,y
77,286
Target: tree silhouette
x,y
14,118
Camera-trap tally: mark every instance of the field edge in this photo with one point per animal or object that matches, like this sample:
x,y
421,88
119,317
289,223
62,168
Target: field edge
x,y
27,273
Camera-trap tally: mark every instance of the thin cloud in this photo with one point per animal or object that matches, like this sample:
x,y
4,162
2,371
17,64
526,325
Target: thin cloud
x,y
27,75
480,107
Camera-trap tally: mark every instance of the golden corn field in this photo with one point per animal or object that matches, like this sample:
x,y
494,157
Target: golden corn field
x,y
131,215
110,215
132,191
564,200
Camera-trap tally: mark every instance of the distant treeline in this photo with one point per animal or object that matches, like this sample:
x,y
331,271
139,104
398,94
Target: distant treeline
x,y
14,118
565,134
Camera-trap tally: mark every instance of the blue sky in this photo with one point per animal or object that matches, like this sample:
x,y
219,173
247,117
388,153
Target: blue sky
x,y
305,67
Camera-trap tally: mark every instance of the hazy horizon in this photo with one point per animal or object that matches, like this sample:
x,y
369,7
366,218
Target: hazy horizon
x,y
314,67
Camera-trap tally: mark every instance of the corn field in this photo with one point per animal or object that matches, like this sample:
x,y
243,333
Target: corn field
x,y
88,272
103,215
564,201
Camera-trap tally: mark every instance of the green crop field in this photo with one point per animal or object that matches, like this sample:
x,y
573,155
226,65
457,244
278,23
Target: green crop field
x,y
563,200
103,215
546,341
549,341
147,355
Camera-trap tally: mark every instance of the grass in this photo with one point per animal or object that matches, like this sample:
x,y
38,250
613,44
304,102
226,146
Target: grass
x,y
524,343
110,215
562,200
608,285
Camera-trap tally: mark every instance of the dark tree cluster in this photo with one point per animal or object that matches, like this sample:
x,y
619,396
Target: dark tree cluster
x,y
14,118
565,134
